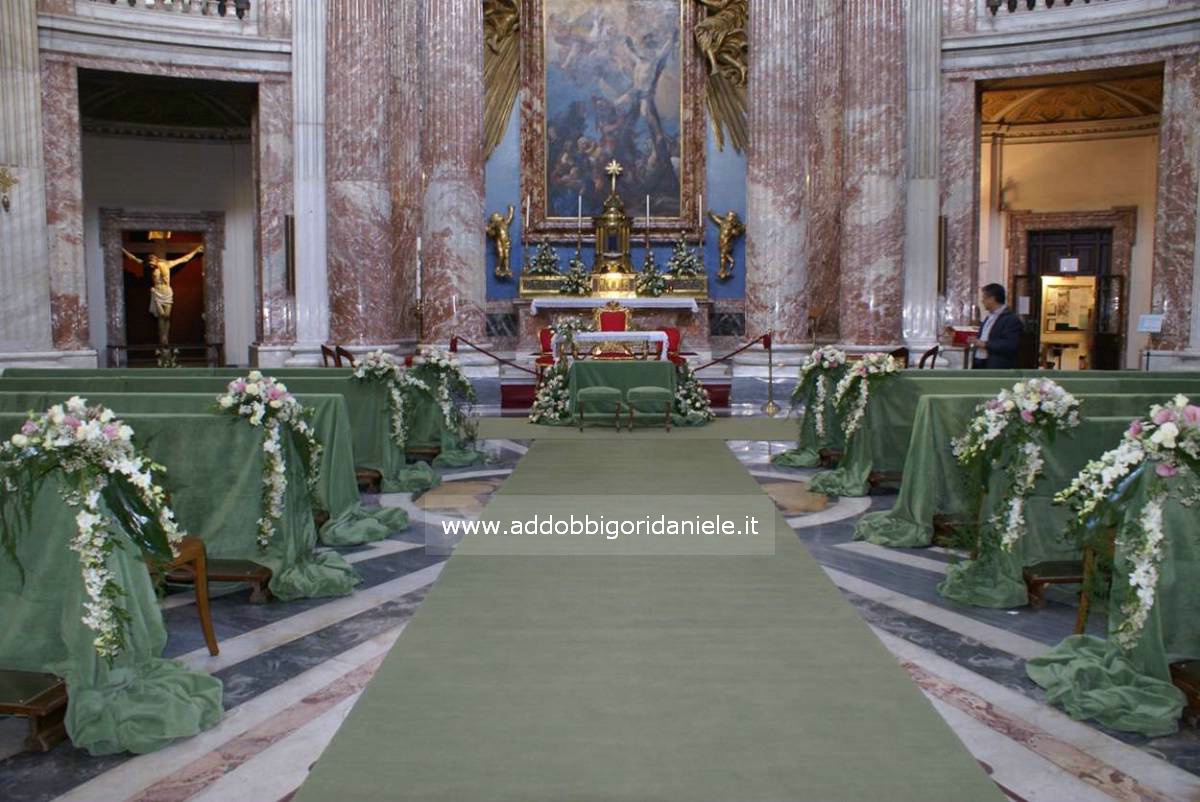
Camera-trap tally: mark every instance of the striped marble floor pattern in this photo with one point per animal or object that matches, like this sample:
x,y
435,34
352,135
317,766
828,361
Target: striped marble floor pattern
x,y
293,671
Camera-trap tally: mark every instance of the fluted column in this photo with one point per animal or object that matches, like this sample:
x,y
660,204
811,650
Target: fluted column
x,y
824,104
923,52
1176,262
308,90
959,183
25,322
405,124
63,154
453,281
776,269
358,79
872,271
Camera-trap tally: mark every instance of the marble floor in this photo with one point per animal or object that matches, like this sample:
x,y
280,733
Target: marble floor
x,y
293,671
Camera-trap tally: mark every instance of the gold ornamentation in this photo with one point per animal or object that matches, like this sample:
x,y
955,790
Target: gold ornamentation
x,y
731,228
614,169
7,182
501,67
497,229
721,37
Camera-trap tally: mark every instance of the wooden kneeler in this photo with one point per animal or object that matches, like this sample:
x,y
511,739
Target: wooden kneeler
x,y
41,698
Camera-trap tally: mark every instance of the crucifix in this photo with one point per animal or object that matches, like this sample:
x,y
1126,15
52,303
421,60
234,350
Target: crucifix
x,y
157,254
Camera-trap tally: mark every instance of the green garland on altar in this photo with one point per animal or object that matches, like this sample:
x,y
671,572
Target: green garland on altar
x,y
577,280
650,282
544,262
684,261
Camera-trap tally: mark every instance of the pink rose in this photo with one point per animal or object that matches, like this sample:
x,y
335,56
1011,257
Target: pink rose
x,y
275,394
72,421
29,427
1135,429
1165,416
1027,416
112,431
1191,414
1166,470
238,386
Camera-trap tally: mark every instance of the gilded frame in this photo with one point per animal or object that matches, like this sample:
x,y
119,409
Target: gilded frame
x,y
692,134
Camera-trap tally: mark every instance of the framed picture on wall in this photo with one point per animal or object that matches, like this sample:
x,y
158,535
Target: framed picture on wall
x,y
616,80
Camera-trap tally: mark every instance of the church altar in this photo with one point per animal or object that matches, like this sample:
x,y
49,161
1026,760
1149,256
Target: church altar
x,y
675,304
587,338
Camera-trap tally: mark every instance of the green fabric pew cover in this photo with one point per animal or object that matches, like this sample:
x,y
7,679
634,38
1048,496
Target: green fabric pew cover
x,y
214,478
139,703
349,524
1093,678
881,443
366,402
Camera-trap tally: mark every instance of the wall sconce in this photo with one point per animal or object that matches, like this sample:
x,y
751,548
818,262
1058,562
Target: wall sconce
x,y
7,182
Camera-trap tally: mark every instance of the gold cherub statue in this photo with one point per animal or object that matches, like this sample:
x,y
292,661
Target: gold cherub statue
x,y
497,229
731,228
162,297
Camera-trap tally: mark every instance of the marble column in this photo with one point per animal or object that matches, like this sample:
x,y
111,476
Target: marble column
x,y
25,323
923,41
872,272
62,141
824,104
404,115
357,80
1175,234
777,158
960,197
310,255
273,153
453,280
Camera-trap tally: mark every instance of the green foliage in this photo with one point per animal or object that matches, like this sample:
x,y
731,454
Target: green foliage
x,y
544,262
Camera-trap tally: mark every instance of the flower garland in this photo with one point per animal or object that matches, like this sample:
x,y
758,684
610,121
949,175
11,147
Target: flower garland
x,y
1168,440
861,374
684,261
650,282
544,262
552,403
822,361
691,399
434,373
577,280
265,402
1020,421
96,453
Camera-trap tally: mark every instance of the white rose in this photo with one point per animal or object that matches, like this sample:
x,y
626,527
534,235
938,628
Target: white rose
x,y
252,389
226,401
19,440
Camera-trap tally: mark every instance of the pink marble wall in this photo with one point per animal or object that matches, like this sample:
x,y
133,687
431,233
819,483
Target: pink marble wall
x,y
404,114
872,270
776,272
1176,220
960,196
453,280
56,6
958,16
62,144
825,102
273,141
275,18
357,148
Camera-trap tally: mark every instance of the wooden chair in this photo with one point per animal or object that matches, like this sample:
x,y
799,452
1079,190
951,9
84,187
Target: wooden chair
x,y
41,698
901,356
612,317
341,354
930,357
329,357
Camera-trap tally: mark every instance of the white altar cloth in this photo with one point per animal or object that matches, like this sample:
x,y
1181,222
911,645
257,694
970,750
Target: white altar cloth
x,y
583,338
631,303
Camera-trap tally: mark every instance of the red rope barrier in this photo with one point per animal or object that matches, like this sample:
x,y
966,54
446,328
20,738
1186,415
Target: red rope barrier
x,y
485,352
731,354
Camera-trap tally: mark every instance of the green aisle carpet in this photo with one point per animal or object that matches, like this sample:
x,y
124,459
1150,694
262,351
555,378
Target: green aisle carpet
x,y
735,428
675,678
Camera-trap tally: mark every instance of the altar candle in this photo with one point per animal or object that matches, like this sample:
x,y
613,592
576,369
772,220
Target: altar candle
x,y
419,268
579,215
454,306
525,219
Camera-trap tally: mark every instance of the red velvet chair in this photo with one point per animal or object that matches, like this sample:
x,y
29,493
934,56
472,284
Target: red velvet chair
x,y
612,317
674,341
545,358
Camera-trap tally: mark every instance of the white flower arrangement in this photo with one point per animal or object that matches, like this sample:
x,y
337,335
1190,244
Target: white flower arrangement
x,y
691,399
95,452
823,362
860,375
433,372
552,403
1018,422
266,403
1167,441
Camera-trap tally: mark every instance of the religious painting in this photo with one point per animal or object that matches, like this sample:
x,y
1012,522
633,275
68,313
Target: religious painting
x,y
615,80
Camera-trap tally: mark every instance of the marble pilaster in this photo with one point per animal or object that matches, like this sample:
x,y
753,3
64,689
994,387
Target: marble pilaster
x,y
62,143
872,271
959,183
404,114
273,151
453,280
1175,240
25,323
776,271
357,81
310,255
923,53
823,92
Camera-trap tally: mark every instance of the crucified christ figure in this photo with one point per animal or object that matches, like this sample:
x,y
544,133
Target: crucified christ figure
x,y
162,297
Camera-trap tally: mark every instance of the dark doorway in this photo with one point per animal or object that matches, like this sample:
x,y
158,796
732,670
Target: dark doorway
x,y
187,283
1069,301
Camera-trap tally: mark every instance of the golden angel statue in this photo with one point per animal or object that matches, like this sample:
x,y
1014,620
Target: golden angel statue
x,y
497,229
731,228
162,297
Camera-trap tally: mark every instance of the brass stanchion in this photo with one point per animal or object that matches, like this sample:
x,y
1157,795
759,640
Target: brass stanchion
x,y
771,409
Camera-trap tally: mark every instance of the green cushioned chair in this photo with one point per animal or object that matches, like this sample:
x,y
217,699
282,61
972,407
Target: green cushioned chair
x,y
651,400
599,401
